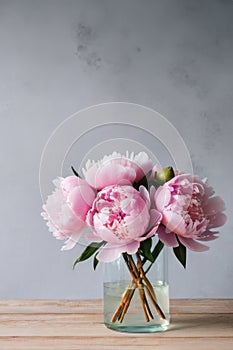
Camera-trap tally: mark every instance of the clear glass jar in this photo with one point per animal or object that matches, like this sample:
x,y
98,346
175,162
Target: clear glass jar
x,y
123,296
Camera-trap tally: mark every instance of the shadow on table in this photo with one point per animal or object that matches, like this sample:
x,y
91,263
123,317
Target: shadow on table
x,y
190,321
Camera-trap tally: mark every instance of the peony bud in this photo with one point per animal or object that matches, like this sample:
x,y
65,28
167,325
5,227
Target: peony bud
x,y
164,175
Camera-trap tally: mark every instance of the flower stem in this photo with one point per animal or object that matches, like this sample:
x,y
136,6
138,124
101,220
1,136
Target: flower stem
x,y
126,305
143,275
141,282
149,288
138,281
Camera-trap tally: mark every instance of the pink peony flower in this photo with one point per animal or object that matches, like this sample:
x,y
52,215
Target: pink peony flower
x,y
189,211
66,208
117,169
121,216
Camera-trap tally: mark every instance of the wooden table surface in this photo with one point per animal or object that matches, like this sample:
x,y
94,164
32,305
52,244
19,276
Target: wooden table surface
x,y
78,324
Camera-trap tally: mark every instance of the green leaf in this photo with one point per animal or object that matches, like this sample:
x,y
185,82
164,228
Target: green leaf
x,y
95,261
88,252
155,253
145,248
180,253
75,172
157,249
142,182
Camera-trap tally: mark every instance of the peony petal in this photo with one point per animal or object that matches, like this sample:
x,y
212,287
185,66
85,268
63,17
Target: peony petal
x,y
174,222
149,234
109,253
57,182
162,197
137,223
105,234
214,206
155,218
217,221
132,248
80,200
207,238
93,237
143,165
193,245
68,222
152,196
72,241
168,238
145,195
109,175
156,168
117,169
69,183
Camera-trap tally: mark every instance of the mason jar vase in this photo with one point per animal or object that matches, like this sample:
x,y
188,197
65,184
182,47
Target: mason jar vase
x,y
135,305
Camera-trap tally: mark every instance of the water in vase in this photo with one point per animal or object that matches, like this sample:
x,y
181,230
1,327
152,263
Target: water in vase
x,y
134,319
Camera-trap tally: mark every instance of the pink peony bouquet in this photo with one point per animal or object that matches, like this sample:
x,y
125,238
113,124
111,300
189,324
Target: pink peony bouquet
x,y
125,201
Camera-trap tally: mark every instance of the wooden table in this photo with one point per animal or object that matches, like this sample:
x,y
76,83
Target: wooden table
x,y
78,324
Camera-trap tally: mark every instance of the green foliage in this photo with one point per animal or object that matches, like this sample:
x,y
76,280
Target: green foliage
x,y
88,252
155,253
142,182
145,249
180,253
95,261
75,172
157,249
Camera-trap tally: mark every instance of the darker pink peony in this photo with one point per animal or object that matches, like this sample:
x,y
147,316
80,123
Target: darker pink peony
x,y
189,211
121,216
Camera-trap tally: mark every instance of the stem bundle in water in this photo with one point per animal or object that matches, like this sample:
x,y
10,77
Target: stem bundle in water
x,y
145,289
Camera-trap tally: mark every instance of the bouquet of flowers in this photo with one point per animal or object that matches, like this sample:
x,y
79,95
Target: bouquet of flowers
x,y
125,201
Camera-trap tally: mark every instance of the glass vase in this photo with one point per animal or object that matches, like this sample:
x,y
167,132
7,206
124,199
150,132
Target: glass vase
x,y
136,307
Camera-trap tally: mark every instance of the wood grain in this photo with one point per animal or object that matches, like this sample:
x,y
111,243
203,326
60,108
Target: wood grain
x,y
78,324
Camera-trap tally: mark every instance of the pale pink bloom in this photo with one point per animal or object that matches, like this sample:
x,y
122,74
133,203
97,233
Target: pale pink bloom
x,y
155,169
189,210
117,169
121,216
66,208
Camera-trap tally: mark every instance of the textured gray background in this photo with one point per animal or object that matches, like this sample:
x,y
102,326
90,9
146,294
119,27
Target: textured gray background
x,y
57,57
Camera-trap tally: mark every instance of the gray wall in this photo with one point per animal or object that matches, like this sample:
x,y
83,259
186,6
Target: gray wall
x,y
57,57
